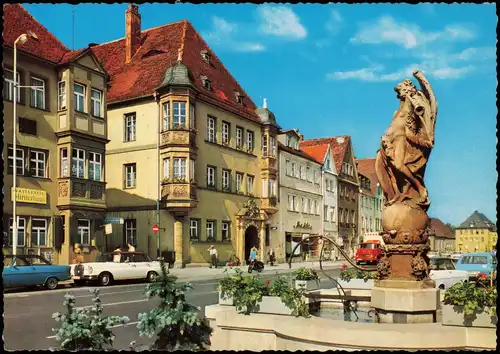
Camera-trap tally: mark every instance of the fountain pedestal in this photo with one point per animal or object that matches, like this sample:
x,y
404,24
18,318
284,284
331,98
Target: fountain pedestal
x,y
400,301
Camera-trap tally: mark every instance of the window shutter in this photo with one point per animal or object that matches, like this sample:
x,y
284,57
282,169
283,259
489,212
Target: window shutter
x,y
74,230
58,231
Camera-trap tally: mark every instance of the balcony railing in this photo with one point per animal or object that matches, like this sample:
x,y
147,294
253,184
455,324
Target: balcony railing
x,y
176,137
80,192
270,205
179,194
268,162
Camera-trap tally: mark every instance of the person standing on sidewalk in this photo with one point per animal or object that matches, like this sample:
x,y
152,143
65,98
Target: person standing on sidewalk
x,y
272,256
213,256
253,254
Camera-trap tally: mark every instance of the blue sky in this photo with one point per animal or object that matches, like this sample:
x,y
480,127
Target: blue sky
x,y
330,70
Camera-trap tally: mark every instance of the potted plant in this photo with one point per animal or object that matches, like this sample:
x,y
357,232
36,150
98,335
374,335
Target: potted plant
x,y
306,278
351,278
282,299
470,304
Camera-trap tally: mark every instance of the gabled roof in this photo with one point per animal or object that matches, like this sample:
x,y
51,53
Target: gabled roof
x,y
366,167
439,229
372,191
299,153
478,221
160,48
72,55
18,21
338,146
318,152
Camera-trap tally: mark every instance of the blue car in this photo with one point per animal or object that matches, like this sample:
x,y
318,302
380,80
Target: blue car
x,y
480,262
32,270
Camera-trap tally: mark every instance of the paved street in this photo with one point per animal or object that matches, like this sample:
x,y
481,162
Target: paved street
x,y
28,315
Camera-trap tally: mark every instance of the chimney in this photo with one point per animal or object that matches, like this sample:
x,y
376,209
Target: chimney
x,y
265,103
132,31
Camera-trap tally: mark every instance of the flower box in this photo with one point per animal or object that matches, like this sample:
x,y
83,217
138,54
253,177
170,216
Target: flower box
x,y
227,301
307,284
453,315
356,284
272,305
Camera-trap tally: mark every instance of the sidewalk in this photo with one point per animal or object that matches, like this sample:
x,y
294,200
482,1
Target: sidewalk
x,y
206,273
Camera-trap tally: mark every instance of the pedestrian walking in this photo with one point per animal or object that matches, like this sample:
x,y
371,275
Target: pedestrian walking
x,y
213,256
131,247
117,254
272,256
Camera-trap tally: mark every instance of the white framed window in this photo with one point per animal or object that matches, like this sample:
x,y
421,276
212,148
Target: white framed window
x,y
79,96
239,137
37,92
192,164
84,231
211,129
304,205
96,103
225,133
38,232
288,141
210,228
130,175
166,169
294,170
37,163
301,172
325,213
180,168
21,231
19,160
131,231
226,235
95,166
287,167
272,145
192,123
78,163
64,163
264,145
193,230
179,116
130,127
310,202
61,95
210,176
239,182
290,202
8,86
295,205
316,207
250,140
272,188
166,116
332,214
226,178
249,184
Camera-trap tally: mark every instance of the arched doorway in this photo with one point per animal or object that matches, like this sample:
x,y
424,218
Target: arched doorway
x,y
251,240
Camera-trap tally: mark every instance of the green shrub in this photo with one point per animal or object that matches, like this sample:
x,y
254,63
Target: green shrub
x,y
174,322
306,274
474,296
85,328
346,274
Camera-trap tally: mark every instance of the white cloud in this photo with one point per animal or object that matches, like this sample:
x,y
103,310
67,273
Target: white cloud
x,y
280,21
334,22
223,33
408,35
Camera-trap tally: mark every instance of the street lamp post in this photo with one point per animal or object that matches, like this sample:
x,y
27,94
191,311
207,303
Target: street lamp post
x,y
21,39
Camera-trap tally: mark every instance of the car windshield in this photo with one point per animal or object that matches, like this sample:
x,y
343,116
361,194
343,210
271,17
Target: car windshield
x,y
37,260
369,245
442,264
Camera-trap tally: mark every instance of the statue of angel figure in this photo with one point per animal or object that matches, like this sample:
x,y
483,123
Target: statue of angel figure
x,y
407,144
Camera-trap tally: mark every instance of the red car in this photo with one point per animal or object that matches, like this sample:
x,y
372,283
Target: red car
x,y
368,252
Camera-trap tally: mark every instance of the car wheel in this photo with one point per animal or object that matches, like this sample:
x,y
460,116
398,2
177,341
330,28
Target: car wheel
x,y
51,283
152,277
105,279
441,286
260,270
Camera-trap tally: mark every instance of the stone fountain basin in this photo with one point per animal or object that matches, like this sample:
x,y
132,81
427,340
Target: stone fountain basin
x,y
257,332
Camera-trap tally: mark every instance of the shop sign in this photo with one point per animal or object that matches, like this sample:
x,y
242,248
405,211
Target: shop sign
x,y
25,195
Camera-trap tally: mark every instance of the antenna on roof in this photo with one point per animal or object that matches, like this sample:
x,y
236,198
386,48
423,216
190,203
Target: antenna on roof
x,y
73,30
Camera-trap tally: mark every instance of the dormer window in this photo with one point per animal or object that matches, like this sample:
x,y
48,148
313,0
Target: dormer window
x,y
239,97
205,55
206,82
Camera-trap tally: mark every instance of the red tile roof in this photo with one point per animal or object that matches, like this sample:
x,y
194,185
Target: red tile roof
x,y
441,229
158,51
18,21
366,167
338,148
299,153
318,152
71,55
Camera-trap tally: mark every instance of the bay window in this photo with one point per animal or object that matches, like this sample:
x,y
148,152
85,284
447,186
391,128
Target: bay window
x,y
272,145
96,103
166,116
180,169
166,169
61,95
179,117
192,124
78,163
79,97
264,145
192,163
95,166
64,163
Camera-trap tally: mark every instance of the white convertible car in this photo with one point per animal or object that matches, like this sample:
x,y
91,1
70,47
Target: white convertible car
x,y
132,265
443,272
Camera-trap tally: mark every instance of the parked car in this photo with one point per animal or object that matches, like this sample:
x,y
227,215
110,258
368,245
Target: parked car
x,y
444,272
32,270
368,252
455,255
479,262
132,265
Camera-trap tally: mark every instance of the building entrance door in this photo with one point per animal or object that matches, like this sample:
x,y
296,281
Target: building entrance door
x,y
251,240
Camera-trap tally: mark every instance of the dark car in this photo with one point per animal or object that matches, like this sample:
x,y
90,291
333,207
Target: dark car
x,y
32,270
